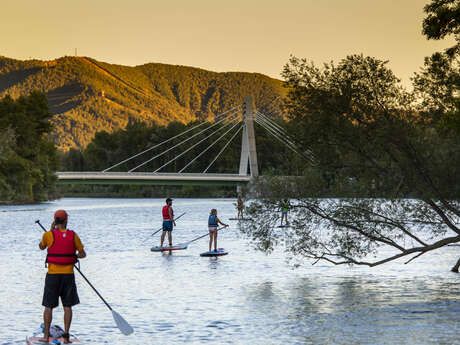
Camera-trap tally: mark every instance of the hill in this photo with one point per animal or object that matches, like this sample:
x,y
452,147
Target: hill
x,y
87,96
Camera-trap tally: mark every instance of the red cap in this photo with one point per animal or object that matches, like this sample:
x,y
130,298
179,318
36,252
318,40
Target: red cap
x,y
60,216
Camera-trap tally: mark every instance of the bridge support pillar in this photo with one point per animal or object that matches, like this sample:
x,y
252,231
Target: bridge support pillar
x,y
248,146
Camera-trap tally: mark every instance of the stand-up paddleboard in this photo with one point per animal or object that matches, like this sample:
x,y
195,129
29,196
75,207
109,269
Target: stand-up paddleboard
x,y
218,252
37,335
283,226
239,218
165,249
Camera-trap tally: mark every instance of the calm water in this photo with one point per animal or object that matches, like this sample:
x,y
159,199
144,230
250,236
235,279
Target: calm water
x,y
245,297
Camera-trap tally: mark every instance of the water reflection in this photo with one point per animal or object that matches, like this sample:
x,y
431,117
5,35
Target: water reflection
x,y
357,310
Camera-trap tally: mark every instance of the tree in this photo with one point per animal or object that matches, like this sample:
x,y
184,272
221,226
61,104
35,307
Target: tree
x,y
443,19
392,172
28,158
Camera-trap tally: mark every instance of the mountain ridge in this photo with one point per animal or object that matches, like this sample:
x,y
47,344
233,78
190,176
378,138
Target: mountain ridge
x,y
87,96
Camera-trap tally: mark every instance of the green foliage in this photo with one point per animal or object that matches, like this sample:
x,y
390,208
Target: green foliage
x,y
437,85
28,158
389,160
443,19
87,96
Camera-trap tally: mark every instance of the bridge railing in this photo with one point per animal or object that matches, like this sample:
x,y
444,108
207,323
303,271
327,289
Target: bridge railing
x,y
94,175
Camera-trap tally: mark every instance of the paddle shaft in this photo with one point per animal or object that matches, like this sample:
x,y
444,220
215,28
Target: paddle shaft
x,y
162,227
97,292
196,239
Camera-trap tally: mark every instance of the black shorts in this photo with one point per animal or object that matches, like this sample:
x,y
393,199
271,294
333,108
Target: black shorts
x,y
60,285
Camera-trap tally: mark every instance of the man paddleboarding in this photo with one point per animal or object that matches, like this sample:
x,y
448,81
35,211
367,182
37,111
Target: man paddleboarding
x,y
168,222
64,247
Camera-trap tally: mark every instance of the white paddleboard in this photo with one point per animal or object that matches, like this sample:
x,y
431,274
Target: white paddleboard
x,y
35,339
52,341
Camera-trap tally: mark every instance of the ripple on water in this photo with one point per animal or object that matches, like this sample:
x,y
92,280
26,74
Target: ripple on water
x,y
243,298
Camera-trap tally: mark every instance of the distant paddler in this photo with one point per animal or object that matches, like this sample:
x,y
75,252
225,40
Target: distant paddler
x,y
213,222
285,207
240,206
168,222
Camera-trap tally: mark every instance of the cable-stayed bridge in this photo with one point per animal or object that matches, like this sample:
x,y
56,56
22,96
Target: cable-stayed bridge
x,y
239,119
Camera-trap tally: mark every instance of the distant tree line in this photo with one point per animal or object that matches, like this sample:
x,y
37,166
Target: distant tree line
x,y
107,149
28,158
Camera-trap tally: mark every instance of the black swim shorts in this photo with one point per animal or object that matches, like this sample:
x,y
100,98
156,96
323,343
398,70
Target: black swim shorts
x,y
60,285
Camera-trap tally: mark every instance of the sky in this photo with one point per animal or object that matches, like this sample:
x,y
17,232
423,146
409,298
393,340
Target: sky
x,y
219,35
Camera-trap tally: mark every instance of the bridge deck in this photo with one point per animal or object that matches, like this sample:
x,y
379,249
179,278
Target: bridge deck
x,y
88,177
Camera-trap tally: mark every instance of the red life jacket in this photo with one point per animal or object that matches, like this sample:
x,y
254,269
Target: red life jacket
x,y
63,251
166,212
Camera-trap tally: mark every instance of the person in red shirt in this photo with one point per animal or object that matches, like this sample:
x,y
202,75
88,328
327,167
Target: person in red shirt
x,y
64,248
168,221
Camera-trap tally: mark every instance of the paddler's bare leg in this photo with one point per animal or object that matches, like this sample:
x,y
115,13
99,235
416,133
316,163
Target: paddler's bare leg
x,y
170,240
162,238
47,317
67,322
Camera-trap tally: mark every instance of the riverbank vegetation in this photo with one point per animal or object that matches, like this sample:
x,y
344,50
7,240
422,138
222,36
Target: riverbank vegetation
x,y
389,157
28,159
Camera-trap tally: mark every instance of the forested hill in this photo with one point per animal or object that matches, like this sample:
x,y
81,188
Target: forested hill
x,y
87,96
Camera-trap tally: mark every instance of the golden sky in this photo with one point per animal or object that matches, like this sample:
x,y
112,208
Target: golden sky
x,y
236,35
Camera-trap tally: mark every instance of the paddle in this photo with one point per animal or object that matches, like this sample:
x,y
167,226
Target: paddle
x,y
185,245
162,227
122,324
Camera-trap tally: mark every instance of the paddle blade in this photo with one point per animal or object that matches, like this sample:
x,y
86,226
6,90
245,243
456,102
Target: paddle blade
x,y
124,326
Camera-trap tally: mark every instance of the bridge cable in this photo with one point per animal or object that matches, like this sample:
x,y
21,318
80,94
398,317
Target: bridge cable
x,y
215,141
290,146
281,134
223,149
191,147
203,130
276,135
281,130
164,142
286,142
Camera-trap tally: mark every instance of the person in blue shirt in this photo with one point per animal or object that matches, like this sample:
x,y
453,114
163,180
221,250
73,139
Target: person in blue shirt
x,y
213,221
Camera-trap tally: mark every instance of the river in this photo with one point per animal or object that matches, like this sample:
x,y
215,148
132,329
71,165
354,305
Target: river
x,y
246,297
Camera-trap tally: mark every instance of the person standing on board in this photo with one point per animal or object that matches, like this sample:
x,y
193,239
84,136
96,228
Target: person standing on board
x,y
64,248
213,221
239,205
168,222
284,211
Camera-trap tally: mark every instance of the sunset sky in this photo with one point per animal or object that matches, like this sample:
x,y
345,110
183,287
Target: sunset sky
x,y
237,35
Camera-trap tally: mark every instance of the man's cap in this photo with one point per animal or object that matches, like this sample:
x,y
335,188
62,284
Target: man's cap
x,y
60,216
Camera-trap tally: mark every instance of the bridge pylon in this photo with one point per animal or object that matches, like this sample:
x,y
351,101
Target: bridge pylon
x,y
248,146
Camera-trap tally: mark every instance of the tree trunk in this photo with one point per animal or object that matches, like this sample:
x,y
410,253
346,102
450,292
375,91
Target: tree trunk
x,y
457,265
